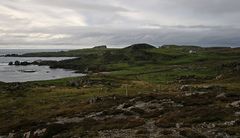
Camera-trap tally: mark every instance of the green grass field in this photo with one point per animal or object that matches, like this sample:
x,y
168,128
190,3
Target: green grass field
x,y
128,73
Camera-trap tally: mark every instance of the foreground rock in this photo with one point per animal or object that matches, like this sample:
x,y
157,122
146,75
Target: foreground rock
x,y
150,115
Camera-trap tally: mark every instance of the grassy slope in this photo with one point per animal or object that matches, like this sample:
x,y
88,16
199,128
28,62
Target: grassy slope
x,y
145,71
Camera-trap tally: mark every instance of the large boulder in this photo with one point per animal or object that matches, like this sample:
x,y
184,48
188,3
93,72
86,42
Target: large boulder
x,y
25,63
17,63
10,63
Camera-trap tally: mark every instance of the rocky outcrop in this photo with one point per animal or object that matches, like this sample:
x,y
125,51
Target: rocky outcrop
x,y
86,82
207,88
188,79
234,66
12,55
19,63
235,104
147,115
39,133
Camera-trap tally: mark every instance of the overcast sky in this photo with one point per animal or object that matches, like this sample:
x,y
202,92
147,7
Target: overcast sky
x,y
86,23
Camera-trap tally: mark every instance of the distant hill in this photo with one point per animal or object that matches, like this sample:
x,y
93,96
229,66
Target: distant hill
x,y
140,46
181,46
100,47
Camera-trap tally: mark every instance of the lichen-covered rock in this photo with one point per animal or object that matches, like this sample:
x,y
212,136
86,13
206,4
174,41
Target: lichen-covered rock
x,y
222,95
27,134
235,104
39,132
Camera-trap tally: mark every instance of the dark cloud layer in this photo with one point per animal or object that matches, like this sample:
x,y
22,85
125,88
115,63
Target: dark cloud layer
x,y
83,23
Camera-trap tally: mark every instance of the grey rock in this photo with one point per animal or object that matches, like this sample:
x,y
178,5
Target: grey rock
x,y
39,132
222,95
235,104
27,134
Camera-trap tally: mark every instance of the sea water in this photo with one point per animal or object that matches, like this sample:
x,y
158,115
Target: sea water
x,y
31,72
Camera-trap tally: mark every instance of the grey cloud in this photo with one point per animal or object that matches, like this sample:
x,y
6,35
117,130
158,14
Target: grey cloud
x,y
90,5
120,22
